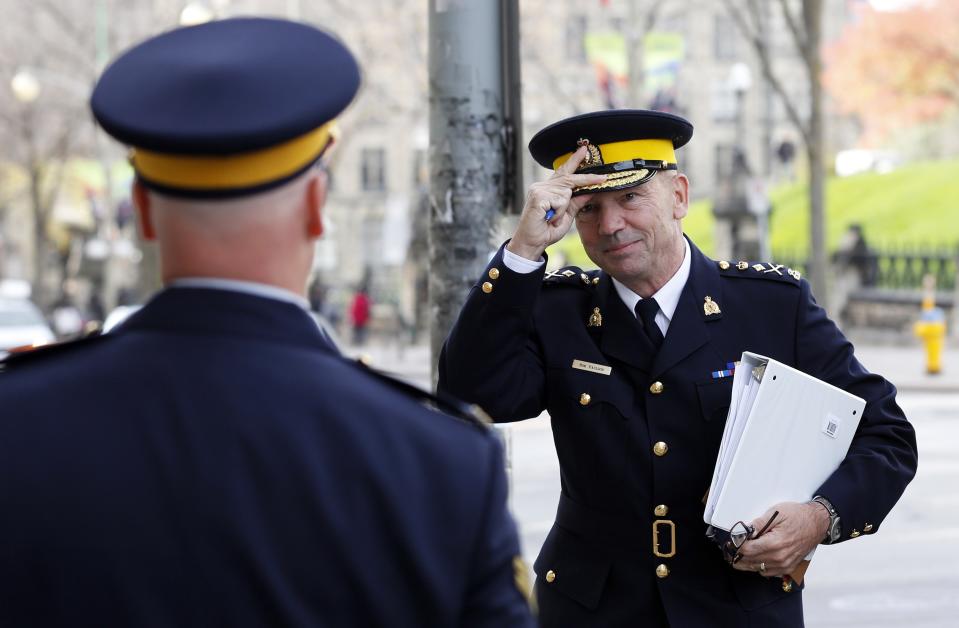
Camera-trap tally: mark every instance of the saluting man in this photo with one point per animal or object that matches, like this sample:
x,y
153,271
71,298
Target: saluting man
x,y
215,461
625,360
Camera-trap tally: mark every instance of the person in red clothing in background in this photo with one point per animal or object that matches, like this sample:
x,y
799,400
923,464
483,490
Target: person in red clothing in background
x,y
360,314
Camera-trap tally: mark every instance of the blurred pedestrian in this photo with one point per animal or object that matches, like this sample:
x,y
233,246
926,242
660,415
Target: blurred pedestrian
x,y
855,254
214,461
360,307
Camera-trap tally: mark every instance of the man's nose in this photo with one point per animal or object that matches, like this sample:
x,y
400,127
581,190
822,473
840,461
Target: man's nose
x,y
610,220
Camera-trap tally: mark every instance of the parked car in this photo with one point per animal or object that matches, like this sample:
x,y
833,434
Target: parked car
x,y
22,324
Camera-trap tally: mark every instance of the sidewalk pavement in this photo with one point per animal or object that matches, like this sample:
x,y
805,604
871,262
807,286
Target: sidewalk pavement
x,y
902,364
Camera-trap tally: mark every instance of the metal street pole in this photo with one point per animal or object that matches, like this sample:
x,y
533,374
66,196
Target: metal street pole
x,y
470,147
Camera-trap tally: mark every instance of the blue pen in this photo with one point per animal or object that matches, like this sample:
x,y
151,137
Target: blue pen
x,y
549,214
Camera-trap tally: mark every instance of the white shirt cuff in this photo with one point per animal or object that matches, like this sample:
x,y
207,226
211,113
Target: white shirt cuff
x,y
519,264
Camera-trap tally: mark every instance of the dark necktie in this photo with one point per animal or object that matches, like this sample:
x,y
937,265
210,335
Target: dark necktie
x,y
646,311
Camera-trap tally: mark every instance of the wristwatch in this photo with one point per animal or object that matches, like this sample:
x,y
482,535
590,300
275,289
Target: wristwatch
x,y
835,529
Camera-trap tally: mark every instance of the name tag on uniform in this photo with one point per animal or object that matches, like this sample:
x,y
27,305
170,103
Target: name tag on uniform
x,y
592,368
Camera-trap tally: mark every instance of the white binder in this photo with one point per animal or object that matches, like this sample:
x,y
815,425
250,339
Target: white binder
x,y
786,432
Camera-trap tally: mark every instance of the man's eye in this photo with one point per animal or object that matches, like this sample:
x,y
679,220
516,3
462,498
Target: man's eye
x,y
587,208
629,197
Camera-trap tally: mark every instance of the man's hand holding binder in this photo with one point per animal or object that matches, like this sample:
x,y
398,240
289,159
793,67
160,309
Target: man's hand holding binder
x,y
786,433
782,549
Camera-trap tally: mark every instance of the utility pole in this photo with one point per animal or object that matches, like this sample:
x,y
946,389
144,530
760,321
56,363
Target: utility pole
x,y
474,121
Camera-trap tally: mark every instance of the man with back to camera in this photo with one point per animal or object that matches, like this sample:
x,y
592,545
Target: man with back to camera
x,y
625,358
215,461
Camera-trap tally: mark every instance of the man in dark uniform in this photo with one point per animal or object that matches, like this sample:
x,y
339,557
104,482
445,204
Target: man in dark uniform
x,y
624,360
215,461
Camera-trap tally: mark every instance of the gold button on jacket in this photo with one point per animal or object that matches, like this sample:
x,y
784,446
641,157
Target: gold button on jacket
x,y
662,571
660,448
487,287
550,576
854,534
494,273
661,510
787,585
656,388
584,399
867,527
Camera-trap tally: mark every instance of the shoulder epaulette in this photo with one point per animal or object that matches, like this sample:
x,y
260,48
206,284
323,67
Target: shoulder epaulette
x,y
439,401
572,276
27,355
759,270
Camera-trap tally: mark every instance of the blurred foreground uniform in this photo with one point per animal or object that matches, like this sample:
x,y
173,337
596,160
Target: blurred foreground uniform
x,y
637,428
215,461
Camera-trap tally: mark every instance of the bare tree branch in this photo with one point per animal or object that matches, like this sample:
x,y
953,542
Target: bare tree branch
x,y
800,37
734,12
765,64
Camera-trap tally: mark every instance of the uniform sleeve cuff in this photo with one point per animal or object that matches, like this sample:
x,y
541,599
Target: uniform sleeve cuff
x,y
519,264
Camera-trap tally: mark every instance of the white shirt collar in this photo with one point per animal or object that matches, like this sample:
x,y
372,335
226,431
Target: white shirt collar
x,y
248,287
667,297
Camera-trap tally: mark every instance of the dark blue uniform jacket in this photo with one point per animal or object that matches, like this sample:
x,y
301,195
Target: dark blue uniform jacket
x,y
214,462
512,351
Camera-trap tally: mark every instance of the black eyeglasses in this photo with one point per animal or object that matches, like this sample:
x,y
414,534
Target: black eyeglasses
x,y
741,532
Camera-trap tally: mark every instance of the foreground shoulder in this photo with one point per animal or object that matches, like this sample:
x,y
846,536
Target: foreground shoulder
x,y
769,271
571,276
440,402
23,357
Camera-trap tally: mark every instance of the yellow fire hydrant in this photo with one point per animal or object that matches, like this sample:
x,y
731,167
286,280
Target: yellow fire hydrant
x,y
931,326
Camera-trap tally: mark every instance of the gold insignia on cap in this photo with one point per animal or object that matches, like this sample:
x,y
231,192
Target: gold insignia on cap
x,y
585,278
758,267
710,307
794,274
568,273
724,265
595,319
742,265
593,156
595,280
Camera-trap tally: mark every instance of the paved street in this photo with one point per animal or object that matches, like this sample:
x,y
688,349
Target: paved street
x,y
907,574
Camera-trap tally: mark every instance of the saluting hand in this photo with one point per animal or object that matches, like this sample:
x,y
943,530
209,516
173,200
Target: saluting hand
x,y
795,532
534,233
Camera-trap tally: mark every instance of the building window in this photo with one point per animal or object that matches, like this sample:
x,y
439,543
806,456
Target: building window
x,y
373,169
724,38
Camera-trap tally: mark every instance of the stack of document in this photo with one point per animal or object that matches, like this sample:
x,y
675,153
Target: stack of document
x,y
785,434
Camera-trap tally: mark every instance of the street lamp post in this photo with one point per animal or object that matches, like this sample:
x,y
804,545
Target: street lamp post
x,y
741,207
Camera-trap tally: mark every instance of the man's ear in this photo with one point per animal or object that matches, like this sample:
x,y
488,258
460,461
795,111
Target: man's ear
x,y
141,200
680,195
315,199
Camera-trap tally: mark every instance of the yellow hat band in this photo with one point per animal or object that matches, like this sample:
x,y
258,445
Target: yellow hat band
x,y
226,172
654,150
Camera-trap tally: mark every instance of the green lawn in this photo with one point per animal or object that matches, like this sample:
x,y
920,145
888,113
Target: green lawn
x,y
916,205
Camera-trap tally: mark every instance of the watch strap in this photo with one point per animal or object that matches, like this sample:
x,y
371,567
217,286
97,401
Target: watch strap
x,y
833,532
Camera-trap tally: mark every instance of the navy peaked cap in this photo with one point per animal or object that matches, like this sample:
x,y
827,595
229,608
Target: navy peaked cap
x,y
222,89
628,146
606,127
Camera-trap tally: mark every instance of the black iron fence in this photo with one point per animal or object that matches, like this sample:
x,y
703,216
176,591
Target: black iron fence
x,y
892,268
